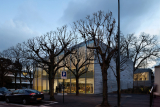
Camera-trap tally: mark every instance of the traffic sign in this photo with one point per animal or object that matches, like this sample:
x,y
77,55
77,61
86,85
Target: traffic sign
x,y
63,75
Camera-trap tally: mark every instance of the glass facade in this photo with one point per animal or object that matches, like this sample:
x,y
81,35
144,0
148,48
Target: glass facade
x,y
141,76
86,81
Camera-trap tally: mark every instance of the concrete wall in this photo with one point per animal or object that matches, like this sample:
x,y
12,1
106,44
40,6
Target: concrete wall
x,y
126,77
142,83
97,79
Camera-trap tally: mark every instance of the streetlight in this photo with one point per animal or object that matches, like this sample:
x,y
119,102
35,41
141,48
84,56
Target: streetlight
x,y
118,57
25,73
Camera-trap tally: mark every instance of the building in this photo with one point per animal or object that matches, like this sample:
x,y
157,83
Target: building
x,y
89,83
157,79
24,81
143,77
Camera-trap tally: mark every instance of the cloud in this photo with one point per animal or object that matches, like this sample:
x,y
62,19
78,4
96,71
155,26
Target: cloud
x,y
133,14
13,32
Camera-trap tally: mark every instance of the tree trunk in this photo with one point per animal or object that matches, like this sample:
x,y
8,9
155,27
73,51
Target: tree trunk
x,y
118,83
20,80
2,80
15,81
30,84
77,86
52,90
30,80
51,84
105,88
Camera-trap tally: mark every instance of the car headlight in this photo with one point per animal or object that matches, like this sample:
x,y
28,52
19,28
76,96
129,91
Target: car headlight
x,y
1,94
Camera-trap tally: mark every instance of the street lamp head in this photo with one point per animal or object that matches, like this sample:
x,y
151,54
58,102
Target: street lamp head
x,y
25,73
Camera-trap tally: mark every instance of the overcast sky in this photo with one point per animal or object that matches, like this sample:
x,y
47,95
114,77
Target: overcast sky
x,y
24,19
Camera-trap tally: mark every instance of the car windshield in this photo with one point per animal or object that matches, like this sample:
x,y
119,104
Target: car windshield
x,y
3,89
32,91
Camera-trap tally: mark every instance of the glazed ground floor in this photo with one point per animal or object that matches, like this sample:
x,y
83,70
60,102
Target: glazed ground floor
x,y
86,85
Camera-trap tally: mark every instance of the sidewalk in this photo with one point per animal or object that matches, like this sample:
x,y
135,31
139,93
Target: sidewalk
x,y
156,101
91,100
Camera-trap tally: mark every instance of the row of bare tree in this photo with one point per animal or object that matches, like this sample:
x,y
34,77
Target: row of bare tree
x,y
13,63
59,49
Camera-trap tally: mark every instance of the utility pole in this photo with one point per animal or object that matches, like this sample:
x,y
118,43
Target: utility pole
x,y
118,59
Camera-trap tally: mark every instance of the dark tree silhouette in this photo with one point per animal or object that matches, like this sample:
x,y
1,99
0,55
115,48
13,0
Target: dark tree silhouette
x,y
16,69
15,54
100,28
45,49
29,71
139,49
5,65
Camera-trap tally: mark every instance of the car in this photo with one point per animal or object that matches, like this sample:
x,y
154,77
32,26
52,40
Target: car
x,y
25,96
3,92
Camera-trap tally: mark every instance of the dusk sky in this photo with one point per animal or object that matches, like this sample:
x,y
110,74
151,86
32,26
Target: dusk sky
x,y
24,19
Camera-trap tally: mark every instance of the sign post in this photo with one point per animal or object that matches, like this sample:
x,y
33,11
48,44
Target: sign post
x,y
63,76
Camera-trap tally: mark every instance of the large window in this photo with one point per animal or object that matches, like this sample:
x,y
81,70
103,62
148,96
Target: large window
x,y
144,76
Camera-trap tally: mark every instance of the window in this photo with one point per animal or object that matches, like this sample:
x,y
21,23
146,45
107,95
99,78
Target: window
x,y
32,91
15,92
3,89
144,76
21,91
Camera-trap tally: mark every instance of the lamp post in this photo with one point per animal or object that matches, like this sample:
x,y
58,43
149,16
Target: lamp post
x,y
118,58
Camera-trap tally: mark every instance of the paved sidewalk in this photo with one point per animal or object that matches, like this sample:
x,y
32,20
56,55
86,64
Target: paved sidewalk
x,y
90,100
156,101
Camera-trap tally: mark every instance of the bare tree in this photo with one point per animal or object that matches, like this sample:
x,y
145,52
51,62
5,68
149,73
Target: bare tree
x,y
16,69
100,28
80,59
29,70
139,49
15,54
4,69
45,50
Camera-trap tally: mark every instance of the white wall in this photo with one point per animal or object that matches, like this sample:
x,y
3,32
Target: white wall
x,y
126,77
97,79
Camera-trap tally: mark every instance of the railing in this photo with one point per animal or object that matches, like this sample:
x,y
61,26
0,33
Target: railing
x,y
151,96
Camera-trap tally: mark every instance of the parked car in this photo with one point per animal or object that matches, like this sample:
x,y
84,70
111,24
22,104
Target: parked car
x,y
3,92
25,96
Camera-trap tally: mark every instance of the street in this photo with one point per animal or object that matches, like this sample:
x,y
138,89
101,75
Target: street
x,y
70,100
42,104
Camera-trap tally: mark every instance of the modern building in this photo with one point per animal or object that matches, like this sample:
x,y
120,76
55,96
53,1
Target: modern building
x,y
89,83
143,77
